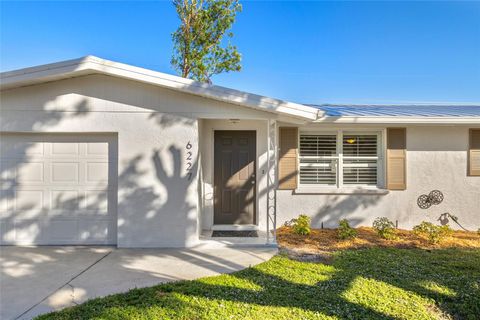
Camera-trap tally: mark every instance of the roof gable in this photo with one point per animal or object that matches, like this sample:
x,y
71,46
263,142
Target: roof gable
x,y
94,65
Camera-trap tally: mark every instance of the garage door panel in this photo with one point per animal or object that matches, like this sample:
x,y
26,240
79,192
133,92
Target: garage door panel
x,y
62,230
29,200
65,148
97,149
5,202
33,171
97,172
96,200
57,188
69,200
7,168
26,231
65,172
28,148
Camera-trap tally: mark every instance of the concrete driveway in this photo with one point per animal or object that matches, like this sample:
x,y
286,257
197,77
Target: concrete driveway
x,y
36,280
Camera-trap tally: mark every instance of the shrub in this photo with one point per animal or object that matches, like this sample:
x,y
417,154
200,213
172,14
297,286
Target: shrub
x,y
301,225
345,231
385,228
434,233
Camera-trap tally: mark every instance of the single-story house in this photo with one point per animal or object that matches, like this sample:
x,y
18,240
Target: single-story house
x,y
99,152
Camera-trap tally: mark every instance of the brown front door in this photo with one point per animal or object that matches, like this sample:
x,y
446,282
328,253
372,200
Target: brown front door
x,y
234,177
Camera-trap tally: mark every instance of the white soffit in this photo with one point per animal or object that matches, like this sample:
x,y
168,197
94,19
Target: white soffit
x,y
94,65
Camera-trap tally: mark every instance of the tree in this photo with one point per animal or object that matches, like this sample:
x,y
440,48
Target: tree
x,y
200,50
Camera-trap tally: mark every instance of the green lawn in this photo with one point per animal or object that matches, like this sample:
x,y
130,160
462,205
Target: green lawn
x,y
359,284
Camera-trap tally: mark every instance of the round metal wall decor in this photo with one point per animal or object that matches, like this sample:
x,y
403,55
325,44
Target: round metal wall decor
x,y
425,201
436,197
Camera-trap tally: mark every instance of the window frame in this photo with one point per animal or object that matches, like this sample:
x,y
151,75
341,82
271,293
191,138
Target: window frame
x,y
339,133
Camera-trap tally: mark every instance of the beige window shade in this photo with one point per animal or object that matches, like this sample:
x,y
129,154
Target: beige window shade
x,y
287,163
397,158
474,153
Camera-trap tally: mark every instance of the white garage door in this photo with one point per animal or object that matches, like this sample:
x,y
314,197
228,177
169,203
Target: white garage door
x,y
58,189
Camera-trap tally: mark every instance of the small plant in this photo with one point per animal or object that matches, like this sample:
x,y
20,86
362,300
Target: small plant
x,y
478,231
434,233
385,228
301,225
345,231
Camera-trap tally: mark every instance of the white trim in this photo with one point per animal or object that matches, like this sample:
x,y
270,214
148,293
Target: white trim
x,y
257,170
344,190
94,65
381,174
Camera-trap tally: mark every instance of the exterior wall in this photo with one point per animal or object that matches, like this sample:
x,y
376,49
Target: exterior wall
x,y
208,128
157,204
436,159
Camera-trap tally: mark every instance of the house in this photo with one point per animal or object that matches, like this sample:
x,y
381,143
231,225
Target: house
x,y
99,152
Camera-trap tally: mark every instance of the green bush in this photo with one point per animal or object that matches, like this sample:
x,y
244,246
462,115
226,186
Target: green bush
x,y
385,228
345,231
433,233
301,225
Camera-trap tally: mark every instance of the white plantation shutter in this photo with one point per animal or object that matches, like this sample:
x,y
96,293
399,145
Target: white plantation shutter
x,y
318,159
339,159
360,159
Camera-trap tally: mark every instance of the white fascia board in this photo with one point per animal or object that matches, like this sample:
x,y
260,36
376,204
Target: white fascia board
x,y
94,65
400,120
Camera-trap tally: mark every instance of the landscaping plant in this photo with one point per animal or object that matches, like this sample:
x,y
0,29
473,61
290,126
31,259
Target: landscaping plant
x,y
344,230
301,225
385,228
432,232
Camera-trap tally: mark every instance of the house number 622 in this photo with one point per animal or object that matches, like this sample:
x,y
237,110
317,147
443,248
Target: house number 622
x,y
189,160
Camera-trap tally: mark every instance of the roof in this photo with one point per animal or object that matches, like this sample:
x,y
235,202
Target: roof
x,y
418,113
326,113
94,65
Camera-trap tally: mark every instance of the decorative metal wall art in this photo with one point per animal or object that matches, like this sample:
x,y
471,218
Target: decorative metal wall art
x,y
425,201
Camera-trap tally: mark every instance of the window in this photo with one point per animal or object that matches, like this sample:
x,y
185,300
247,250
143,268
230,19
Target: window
x,y
340,159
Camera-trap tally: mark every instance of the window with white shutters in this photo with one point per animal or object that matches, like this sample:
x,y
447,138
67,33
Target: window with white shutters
x,y
339,159
318,159
360,159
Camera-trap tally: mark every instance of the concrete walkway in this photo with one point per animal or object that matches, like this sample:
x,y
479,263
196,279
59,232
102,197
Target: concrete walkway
x,y
42,279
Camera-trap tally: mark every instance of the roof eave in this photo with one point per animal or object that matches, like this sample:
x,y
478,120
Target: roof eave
x,y
94,65
400,120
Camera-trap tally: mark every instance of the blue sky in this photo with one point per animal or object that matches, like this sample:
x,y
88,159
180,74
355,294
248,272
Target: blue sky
x,y
302,51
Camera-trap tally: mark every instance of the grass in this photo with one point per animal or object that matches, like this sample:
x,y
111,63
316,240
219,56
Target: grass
x,y
375,283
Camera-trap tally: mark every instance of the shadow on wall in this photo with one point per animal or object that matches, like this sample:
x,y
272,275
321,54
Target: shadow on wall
x,y
167,210
162,202
338,207
11,156
333,208
169,120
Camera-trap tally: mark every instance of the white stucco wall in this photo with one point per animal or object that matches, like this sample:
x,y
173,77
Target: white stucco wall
x,y
436,159
157,205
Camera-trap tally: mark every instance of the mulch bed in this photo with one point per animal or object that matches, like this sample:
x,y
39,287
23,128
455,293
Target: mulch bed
x,y
322,241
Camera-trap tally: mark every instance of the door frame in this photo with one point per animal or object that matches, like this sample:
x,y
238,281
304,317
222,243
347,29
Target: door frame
x,y
255,202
